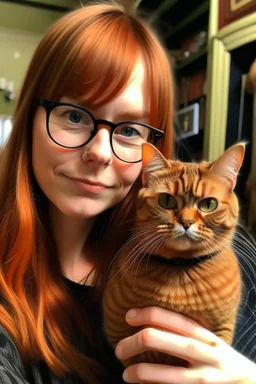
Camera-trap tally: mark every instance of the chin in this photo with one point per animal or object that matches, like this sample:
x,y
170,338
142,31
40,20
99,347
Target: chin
x,y
83,210
183,243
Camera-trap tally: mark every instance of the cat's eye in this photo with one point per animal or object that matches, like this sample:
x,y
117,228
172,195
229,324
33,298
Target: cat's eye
x,y
208,205
167,201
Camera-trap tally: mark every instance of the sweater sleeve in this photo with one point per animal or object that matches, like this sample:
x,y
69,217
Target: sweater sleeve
x,y
12,370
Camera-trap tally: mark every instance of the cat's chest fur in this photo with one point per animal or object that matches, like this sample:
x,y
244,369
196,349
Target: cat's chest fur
x,y
181,288
208,292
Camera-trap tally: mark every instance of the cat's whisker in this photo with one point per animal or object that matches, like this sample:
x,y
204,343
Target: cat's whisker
x,y
221,247
147,251
243,246
131,239
248,234
154,247
244,253
248,259
148,243
132,254
143,240
249,246
157,246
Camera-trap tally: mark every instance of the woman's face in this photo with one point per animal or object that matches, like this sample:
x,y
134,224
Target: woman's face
x,y
82,185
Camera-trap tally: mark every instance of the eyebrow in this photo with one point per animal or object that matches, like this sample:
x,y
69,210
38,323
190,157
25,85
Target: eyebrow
x,y
129,115
132,115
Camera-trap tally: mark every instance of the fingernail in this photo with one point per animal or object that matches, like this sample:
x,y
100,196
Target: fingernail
x,y
125,376
131,314
119,351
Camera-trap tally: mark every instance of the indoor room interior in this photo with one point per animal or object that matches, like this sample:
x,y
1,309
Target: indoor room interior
x,y
212,46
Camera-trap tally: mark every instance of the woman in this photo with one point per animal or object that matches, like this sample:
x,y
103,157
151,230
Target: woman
x,y
69,174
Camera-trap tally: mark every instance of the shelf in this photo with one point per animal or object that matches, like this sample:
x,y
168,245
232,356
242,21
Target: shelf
x,y
163,7
192,17
192,59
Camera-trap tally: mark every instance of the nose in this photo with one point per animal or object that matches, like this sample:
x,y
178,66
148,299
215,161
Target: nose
x,y
99,150
186,223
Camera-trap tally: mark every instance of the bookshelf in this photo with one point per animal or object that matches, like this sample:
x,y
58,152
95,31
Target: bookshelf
x,y
190,28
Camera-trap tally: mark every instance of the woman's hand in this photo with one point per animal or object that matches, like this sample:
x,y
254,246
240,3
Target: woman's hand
x,y
211,359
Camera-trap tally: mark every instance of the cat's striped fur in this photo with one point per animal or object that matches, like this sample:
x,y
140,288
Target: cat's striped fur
x,y
184,211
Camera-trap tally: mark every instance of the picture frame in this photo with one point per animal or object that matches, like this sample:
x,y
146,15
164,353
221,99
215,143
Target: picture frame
x,y
233,10
237,4
188,118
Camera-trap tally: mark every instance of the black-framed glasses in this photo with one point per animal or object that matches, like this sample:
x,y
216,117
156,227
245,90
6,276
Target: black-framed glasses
x,y
72,126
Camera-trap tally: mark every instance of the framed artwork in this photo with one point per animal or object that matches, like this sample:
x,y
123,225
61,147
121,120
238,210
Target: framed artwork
x,y
232,10
188,118
236,4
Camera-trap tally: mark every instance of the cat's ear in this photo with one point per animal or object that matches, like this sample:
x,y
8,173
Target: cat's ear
x,y
228,164
152,160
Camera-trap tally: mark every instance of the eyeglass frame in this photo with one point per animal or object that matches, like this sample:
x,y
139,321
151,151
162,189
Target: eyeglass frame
x,y
49,105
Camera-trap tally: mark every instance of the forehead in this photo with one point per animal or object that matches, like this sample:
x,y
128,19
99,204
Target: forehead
x,y
135,89
131,103
194,180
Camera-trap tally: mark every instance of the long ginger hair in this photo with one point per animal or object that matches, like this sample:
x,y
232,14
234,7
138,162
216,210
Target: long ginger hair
x,y
90,54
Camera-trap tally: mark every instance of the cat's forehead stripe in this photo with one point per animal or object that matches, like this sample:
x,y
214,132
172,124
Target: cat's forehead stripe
x,y
176,187
185,180
203,188
196,183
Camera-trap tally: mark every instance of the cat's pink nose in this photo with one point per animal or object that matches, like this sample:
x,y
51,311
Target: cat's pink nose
x,y
186,223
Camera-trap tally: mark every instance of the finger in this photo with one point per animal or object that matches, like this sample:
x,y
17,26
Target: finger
x,y
164,374
153,339
171,321
152,373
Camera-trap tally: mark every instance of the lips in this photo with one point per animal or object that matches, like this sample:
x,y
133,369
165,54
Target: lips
x,y
89,186
90,182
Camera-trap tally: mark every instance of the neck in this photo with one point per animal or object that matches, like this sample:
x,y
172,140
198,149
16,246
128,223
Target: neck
x,y
70,234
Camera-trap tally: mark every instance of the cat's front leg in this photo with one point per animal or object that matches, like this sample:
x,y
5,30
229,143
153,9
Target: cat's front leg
x,y
225,333
226,327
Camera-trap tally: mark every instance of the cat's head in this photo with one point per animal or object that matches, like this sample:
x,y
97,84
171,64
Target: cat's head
x,y
192,205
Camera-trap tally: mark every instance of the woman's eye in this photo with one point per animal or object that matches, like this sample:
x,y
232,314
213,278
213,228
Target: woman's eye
x,y
75,117
167,201
129,132
208,205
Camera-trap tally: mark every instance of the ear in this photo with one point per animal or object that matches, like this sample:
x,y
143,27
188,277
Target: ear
x,y
152,160
228,164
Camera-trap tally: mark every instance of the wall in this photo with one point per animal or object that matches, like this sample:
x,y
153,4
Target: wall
x,y
21,28
16,49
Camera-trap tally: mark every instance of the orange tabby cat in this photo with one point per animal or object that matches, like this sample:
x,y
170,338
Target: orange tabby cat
x,y
180,255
